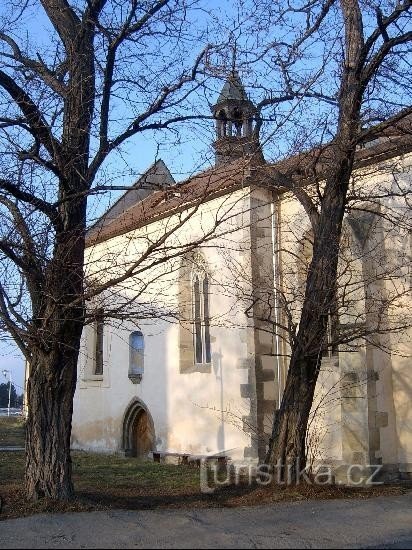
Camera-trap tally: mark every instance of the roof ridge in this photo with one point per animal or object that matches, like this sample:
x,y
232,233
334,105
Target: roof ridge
x,y
133,187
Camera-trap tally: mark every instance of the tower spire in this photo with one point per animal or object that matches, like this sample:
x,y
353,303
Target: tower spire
x,y
234,114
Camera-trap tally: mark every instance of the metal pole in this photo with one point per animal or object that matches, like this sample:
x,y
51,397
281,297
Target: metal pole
x,y
8,410
276,284
5,372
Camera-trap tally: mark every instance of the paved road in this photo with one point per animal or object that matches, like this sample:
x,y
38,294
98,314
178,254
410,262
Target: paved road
x,y
384,522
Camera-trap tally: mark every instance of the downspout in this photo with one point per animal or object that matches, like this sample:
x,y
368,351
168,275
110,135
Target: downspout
x,y
276,281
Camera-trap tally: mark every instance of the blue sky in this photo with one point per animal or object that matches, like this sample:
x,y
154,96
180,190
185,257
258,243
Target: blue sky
x,y
11,359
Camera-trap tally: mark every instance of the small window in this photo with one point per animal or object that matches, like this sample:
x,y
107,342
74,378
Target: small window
x,y
238,122
98,342
136,356
201,317
222,123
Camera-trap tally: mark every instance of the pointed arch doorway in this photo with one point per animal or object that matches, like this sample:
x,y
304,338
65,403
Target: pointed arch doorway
x,y
138,431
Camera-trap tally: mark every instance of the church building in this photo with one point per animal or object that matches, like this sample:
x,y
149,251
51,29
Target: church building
x,y
187,349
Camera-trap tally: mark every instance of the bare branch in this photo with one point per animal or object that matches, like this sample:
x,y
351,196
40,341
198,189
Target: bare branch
x,y
39,67
14,329
374,64
29,261
41,205
33,116
383,24
64,20
136,126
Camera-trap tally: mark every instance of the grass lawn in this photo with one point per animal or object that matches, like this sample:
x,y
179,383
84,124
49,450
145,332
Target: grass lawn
x,y
11,431
103,482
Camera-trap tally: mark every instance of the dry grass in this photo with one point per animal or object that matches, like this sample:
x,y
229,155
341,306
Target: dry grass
x,y
11,431
104,482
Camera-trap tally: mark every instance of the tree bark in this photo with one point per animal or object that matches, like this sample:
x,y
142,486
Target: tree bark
x,y
53,368
59,317
51,388
287,448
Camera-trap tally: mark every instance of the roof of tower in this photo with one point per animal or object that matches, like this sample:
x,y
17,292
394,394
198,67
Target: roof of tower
x,y
233,89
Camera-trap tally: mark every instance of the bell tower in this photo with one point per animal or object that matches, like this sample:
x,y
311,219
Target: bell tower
x,y
234,114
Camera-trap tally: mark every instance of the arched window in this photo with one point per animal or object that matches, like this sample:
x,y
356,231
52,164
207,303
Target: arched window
x,y
136,356
201,317
195,354
238,121
222,123
98,342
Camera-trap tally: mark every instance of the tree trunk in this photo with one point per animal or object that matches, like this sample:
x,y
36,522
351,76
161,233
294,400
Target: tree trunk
x,y
287,449
51,387
53,365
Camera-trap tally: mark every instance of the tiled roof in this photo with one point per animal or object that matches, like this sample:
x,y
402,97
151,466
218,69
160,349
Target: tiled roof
x,y
385,141
201,188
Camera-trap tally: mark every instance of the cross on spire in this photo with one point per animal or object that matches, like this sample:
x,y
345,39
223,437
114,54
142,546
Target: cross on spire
x,y
225,62
234,54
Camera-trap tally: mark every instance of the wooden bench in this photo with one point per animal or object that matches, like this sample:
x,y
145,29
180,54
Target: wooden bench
x,y
182,458
187,458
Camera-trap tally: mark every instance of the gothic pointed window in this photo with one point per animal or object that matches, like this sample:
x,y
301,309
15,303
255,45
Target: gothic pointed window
x,y
206,319
201,317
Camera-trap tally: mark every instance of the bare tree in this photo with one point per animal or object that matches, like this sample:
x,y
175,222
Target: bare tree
x,y
368,312
106,72
364,47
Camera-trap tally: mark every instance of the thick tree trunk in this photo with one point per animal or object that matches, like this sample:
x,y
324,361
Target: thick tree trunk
x,y
53,365
51,388
287,448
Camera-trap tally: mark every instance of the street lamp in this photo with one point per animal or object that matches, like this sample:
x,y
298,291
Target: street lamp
x,y
5,372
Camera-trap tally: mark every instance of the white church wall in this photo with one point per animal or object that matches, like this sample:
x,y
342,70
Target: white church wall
x,y
395,410
197,413
385,241
374,385
402,383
